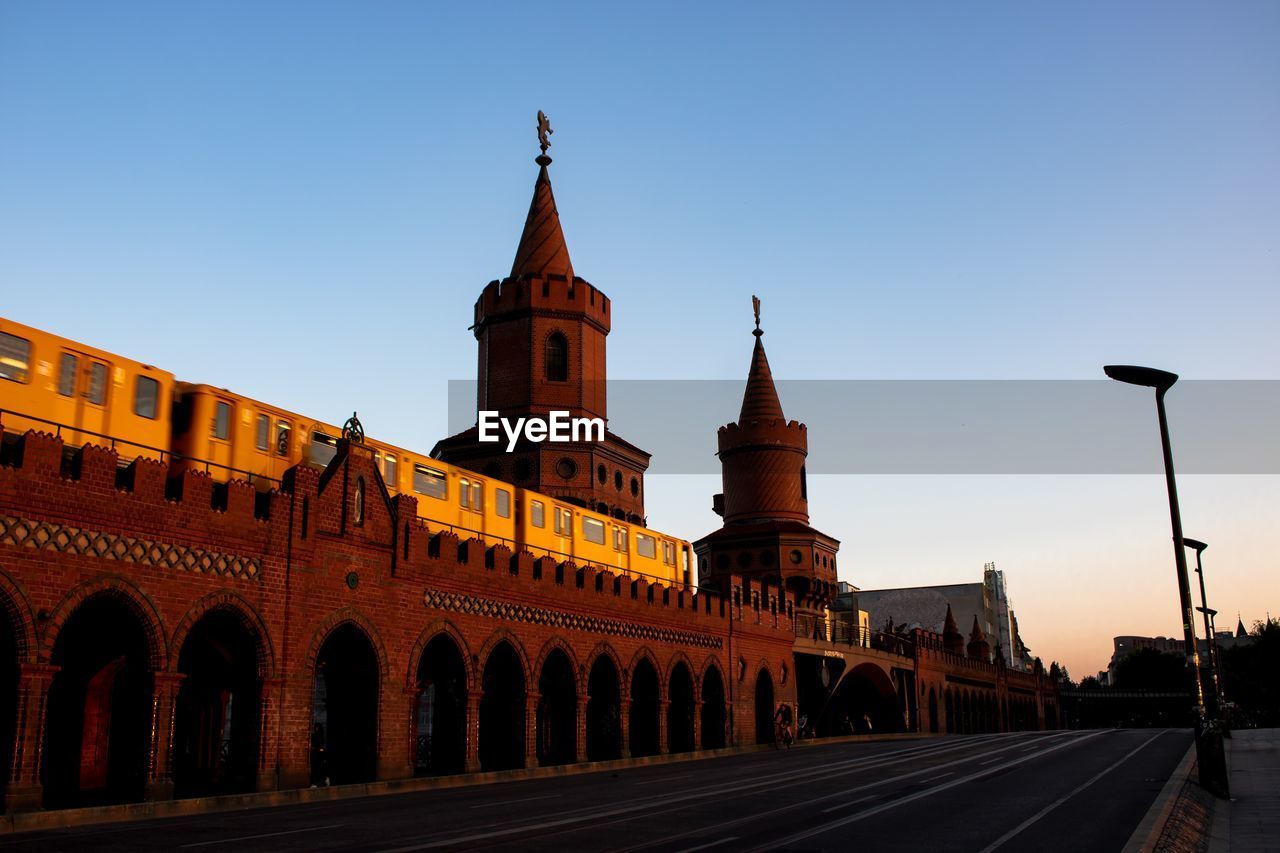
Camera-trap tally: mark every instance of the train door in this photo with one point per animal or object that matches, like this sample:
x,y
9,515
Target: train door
x,y
562,531
222,430
621,547
89,380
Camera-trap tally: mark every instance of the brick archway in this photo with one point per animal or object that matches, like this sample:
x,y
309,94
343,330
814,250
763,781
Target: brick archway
x,y
435,629
134,598
334,621
16,605
236,605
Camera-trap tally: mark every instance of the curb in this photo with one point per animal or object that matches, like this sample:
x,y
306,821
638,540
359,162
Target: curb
x,y
64,818
1144,838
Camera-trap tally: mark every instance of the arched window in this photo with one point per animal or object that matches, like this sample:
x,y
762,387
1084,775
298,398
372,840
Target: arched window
x,y
557,358
359,501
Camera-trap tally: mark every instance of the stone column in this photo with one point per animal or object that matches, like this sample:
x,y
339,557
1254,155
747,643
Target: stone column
x,y
164,696
664,706
24,791
697,725
531,730
580,727
473,731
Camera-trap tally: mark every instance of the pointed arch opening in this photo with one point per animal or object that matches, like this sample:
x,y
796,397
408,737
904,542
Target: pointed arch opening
x,y
440,709
764,707
557,358
713,716
643,721
9,651
344,738
557,722
99,712
502,710
680,709
604,711
217,716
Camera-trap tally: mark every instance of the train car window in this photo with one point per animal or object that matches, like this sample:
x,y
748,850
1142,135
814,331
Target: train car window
x,y
619,539
15,357
97,383
646,546
389,470
503,500
669,553
323,448
146,397
68,366
464,493
592,530
537,514
282,438
262,433
430,482
222,420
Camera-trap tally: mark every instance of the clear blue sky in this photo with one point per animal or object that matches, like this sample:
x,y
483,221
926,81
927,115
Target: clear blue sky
x,y
302,201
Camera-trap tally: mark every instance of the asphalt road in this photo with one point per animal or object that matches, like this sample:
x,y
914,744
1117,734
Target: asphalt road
x,y
1047,791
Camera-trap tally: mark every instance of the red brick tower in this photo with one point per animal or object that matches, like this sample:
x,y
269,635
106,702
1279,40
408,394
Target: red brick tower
x,y
765,503
542,334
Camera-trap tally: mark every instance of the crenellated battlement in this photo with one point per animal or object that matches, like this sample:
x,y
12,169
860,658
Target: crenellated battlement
x,y
550,292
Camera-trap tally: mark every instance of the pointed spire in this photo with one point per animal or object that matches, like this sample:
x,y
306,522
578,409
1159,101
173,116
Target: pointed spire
x,y
542,249
952,639
979,648
760,401
976,633
1240,631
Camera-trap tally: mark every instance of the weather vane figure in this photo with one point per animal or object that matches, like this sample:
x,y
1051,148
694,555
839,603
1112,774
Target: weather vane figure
x,y
755,306
544,131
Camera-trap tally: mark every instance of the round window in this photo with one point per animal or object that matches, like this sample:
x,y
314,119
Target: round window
x,y
796,556
635,487
602,474
567,468
617,480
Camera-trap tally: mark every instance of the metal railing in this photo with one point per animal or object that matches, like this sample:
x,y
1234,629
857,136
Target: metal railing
x,y
163,455
839,632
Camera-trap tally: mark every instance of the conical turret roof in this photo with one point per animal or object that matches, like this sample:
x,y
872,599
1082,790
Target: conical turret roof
x,y
542,250
760,401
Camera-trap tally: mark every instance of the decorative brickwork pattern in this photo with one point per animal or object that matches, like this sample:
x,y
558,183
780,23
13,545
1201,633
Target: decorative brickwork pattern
x,y
63,538
491,609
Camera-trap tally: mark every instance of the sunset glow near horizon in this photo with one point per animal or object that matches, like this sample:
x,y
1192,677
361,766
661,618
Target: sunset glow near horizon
x,y
941,192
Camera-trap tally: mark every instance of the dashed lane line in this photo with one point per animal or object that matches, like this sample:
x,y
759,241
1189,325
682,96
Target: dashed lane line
x,y
1044,811
792,840
263,835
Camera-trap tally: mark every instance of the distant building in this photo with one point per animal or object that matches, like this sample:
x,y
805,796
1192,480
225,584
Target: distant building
x,y
1127,644
926,607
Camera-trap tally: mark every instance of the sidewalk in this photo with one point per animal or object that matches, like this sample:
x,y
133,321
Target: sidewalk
x,y
1250,823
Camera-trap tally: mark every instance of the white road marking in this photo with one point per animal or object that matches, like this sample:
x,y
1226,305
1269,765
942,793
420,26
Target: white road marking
x,y
686,799
850,803
1044,811
709,845
936,778
264,835
521,800
791,840
989,761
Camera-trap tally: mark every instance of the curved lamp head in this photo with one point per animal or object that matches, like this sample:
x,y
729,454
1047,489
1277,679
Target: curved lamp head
x,y
1194,543
1161,380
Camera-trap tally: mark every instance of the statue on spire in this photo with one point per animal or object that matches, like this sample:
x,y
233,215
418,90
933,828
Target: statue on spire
x,y
755,306
544,131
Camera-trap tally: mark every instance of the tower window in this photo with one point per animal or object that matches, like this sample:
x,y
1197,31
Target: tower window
x,y
557,358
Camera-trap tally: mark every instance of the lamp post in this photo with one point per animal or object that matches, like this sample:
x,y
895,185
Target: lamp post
x,y
1209,748
1215,694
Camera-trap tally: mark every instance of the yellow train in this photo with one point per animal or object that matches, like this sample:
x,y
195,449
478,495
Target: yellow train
x,y
87,395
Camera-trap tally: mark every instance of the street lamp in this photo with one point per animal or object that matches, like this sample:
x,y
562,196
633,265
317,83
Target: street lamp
x,y
1216,693
1209,748
1162,381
